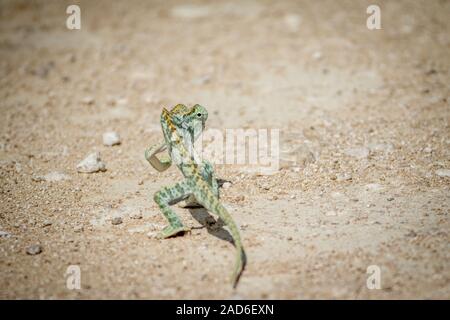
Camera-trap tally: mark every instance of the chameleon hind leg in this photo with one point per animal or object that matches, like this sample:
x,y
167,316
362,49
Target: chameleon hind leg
x,y
166,197
207,173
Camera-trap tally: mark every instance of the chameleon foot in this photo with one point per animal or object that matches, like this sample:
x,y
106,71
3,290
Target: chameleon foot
x,y
171,231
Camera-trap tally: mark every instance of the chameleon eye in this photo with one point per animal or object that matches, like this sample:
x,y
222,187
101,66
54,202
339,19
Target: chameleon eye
x,y
199,115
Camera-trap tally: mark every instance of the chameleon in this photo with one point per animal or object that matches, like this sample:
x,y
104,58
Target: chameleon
x,y
181,127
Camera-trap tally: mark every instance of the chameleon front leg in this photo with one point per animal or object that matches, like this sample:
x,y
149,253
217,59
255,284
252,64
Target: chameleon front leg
x,y
166,197
209,176
159,164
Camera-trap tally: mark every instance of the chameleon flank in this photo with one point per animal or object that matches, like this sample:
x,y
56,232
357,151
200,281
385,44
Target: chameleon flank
x,y
181,126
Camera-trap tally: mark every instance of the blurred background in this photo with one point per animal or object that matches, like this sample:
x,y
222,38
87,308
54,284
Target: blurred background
x,y
364,119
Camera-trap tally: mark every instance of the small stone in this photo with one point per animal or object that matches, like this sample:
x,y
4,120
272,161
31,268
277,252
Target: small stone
x,y
359,153
46,223
78,228
244,226
226,185
34,249
111,138
116,220
427,150
88,100
289,238
293,196
140,182
92,163
390,199
443,172
4,234
136,215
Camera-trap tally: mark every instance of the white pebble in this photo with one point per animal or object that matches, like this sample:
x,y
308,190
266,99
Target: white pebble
x,y
443,172
92,163
116,220
4,234
34,249
111,138
226,185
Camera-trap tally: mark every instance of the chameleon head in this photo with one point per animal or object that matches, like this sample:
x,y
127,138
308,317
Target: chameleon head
x,y
200,114
196,119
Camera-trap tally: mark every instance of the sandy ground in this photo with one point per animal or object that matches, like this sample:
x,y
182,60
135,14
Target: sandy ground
x,y
364,114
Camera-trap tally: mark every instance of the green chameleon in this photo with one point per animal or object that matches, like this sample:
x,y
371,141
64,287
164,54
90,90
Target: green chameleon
x,y
181,127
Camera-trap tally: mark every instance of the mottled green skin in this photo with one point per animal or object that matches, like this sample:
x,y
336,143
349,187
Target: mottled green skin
x,y
180,128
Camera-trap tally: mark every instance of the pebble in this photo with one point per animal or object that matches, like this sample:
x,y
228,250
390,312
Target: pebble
x,y
226,185
88,100
46,223
359,153
4,234
390,199
116,220
443,172
78,228
111,138
92,163
34,249
51,177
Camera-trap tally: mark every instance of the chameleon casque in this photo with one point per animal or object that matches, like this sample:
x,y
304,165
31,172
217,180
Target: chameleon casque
x,y
181,127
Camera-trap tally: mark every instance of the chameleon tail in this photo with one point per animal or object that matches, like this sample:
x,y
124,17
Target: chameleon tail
x,y
241,257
